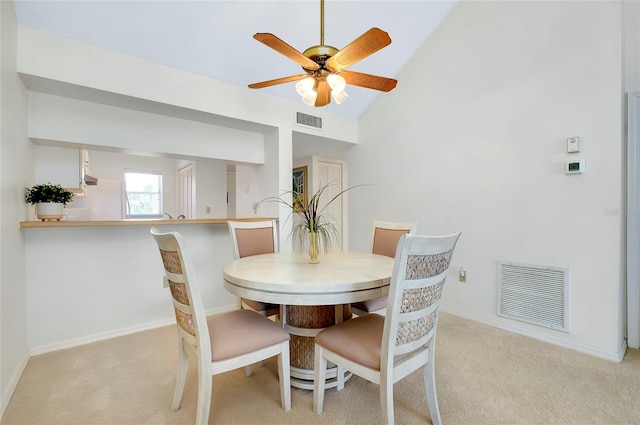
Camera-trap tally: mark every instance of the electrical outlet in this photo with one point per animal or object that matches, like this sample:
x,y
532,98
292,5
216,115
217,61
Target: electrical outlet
x,y
462,274
165,282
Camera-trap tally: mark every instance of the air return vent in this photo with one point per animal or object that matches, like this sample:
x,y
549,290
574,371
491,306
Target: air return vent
x,y
534,294
309,120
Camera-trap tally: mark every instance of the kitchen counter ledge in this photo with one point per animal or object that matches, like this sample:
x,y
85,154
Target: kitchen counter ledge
x,y
131,222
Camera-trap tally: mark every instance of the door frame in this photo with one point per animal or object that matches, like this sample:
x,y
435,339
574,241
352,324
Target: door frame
x,y
633,220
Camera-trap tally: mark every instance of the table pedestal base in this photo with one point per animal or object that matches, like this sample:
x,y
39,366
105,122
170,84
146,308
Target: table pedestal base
x,y
303,378
303,323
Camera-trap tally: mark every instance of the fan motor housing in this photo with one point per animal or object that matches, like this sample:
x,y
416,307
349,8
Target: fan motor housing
x,y
319,54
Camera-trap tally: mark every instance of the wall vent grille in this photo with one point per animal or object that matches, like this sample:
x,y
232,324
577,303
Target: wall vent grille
x,y
534,294
309,120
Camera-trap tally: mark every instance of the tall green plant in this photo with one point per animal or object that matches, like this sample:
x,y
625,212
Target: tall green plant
x,y
311,215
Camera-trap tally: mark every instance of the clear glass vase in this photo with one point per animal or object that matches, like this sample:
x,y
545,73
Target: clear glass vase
x,y
314,249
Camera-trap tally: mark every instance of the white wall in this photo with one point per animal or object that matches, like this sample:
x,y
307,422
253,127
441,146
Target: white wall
x,y
86,284
211,188
631,41
474,138
16,165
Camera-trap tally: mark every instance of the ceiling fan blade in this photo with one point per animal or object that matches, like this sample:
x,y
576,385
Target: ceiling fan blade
x,y
281,47
324,94
277,81
369,81
363,46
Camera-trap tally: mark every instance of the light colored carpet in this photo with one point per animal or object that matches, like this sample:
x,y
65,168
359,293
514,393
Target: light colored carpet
x,y
485,376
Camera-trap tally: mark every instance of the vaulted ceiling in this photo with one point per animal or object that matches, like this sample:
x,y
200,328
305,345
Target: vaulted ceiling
x,y
214,38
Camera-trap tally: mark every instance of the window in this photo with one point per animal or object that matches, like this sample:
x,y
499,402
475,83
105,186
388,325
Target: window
x,y
143,194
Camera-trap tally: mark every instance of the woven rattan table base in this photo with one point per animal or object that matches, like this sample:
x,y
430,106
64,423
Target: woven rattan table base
x,y
302,347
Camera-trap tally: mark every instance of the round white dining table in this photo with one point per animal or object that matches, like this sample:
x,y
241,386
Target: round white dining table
x,y
289,279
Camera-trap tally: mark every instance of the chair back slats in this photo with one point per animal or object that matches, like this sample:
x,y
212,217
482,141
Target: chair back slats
x,y
187,304
420,271
179,292
185,321
414,328
424,266
416,299
171,261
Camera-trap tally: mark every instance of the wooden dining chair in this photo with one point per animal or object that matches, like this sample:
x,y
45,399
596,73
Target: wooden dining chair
x,y
385,349
221,343
253,238
386,235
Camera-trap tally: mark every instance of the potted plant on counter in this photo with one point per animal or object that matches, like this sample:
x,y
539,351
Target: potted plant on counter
x,y
49,199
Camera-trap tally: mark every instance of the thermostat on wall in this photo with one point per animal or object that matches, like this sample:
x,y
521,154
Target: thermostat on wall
x,y
573,144
575,167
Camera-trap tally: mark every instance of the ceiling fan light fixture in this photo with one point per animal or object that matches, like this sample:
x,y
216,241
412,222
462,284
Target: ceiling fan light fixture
x,y
323,64
309,98
339,95
336,82
305,85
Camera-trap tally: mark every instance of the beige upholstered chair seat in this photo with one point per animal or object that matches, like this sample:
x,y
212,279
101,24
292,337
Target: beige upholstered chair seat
x,y
243,331
260,306
358,340
371,306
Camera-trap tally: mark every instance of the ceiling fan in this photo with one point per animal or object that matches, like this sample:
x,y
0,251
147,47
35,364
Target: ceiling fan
x,y
325,66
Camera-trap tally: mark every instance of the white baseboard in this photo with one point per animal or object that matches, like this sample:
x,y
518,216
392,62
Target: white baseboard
x,y
13,383
512,327
47,348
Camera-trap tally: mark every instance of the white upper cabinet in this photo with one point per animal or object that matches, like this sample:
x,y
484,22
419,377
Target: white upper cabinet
x,y
57,165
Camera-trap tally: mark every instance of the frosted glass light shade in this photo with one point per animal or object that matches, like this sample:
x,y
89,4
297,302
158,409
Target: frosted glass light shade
x,y
339,96
310,97
305,85
336,82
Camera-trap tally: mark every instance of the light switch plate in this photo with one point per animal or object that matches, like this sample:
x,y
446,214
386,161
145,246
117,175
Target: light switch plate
x,y
573,144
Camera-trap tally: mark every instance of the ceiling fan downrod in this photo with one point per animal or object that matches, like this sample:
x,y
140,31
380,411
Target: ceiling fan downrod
x,y
322,22
320,53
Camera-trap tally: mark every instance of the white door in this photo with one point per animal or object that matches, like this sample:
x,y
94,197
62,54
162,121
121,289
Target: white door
x,y
186,191
333,173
